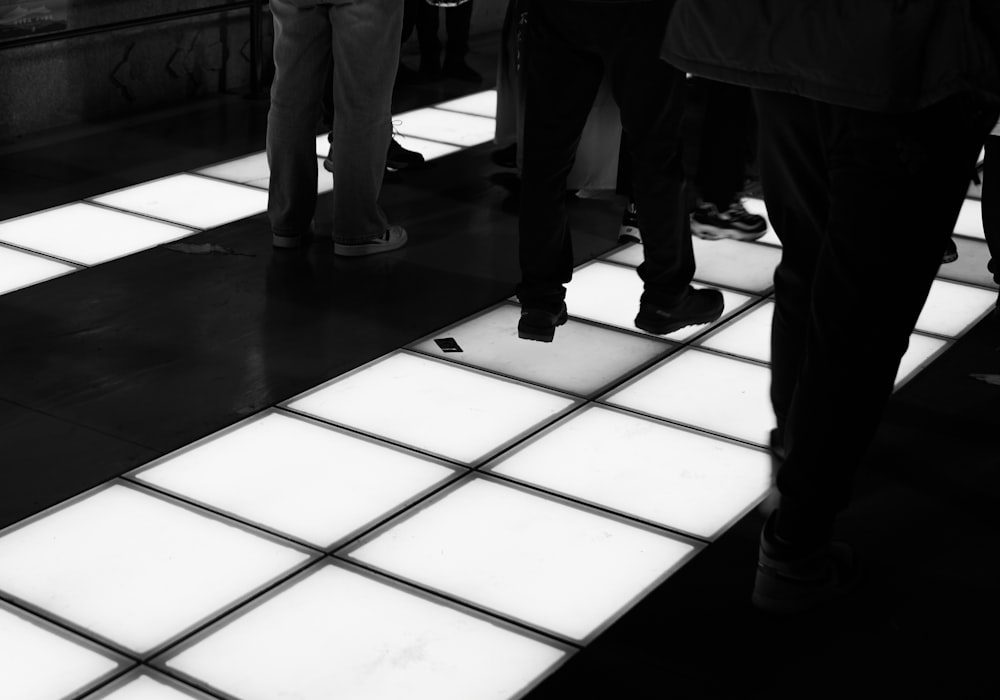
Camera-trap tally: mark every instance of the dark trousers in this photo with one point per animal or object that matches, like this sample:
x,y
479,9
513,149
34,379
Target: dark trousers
x,y
991,204
723,137
568,46
863,204
457,24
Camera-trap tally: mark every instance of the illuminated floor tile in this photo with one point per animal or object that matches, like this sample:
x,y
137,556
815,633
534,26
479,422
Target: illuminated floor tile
x,y
448,127
918,354
970,219
757,206
951,308
290,475
253,170
39,661
147,685
609,294
665,475
551,565
88,234
748,335
583,358
337,633
483,104
726,396
189,200
434,406
19,269
133,568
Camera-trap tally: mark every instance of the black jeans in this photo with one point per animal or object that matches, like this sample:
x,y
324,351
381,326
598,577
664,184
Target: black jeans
x,y
569,45
723,131
863,204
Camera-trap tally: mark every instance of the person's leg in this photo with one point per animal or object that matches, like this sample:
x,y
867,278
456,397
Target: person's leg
x,y
458,23
301,61
991,205
427,21
366,52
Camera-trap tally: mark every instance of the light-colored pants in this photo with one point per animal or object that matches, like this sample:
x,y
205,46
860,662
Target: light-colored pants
x,y
363,39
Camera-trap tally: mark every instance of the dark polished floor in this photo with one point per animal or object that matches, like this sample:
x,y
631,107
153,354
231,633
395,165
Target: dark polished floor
x,y
118,364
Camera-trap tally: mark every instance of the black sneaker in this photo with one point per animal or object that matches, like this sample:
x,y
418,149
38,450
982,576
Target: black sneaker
x,y
950,252
698,306
735,222
399,158
628,232
539,324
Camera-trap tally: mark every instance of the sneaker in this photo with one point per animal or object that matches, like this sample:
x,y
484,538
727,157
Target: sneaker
x,y
787,583
393,238
628,232
950,252
697,307
539,324
399,158
735,222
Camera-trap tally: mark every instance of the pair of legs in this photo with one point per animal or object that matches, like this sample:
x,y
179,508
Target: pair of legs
x,y
426,18
863,204
363,38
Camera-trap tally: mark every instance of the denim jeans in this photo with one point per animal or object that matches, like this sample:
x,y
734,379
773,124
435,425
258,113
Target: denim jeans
x,y
362,38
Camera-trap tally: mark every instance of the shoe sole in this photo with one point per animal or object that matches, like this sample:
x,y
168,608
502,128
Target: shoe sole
x,y
629,234
714,233
361,249
664,329
542,334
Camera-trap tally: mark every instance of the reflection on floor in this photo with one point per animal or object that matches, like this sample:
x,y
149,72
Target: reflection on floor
x,y
285,487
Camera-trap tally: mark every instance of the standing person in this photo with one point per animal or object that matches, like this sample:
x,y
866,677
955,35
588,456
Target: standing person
x,y
871,115
568,45
363,37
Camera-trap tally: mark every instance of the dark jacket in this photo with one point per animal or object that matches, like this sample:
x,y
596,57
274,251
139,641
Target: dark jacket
x,y
881,55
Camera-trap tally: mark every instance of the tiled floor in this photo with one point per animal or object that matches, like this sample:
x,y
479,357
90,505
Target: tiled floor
x,y
395,530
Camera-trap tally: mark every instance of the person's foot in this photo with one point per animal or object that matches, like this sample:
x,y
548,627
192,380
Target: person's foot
x,y
460,70
950,252
393,238
399,158
735,222
540,324
628,232
698,306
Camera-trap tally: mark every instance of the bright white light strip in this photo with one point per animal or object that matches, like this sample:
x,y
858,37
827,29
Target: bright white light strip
x,y
970,219
434,406
18,270
146,688
749,335
583,359
918,353
253,170
133,568
189,200
757,206
951,308
636,466
87,234
551,565
36,664
609,294
339,634
483,104
448,127
707,391
301,479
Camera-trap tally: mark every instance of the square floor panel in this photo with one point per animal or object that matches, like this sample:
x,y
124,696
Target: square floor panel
x,y
970,219
189,200
665,475
133,568
756,206
447,127
951,308
293,476
706,391
609,293
919,353
550,565
19,269
435,406
39,661
254,171
87,234
483,104
747,335
583,358
339,634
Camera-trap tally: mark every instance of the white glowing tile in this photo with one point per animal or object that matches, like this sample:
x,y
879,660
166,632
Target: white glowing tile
x,y
970,219
190,200
951,308
757,206
551,565
483,104
434,406
19,269
39,663
304,480
583,358
133,568
919,353
147,686
337,633
609,294
747,335
88,234
448,127
253,170
707,391
665,475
